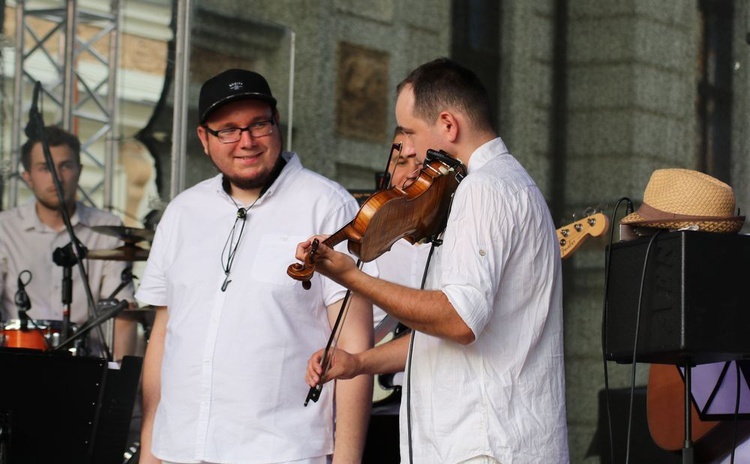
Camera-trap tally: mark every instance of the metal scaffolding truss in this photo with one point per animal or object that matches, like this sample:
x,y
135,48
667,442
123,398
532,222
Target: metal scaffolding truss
x,y
73,53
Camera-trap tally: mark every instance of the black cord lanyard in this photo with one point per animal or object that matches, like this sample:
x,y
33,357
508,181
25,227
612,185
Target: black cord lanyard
x,y
230,246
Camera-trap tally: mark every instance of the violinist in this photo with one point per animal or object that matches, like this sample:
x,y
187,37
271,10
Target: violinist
x,y
222,372
485,377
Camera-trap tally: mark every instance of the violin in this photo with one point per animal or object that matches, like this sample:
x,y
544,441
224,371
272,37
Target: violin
x,y
417,212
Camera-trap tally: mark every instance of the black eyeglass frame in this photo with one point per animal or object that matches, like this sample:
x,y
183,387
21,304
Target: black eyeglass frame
x,y
254,126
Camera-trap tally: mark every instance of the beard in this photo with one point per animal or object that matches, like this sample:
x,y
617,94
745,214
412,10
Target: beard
x,y
243,183
55,204
262,180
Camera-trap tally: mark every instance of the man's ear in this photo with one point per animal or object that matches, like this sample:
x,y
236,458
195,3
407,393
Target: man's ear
x,y
203,136
449,126
26,177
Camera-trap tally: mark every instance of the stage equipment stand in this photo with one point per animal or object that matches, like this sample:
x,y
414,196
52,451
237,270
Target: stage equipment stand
x,y
62,408
686,298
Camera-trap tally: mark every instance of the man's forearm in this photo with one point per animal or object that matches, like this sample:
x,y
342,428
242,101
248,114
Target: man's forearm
x,y
353,396
152,383
353,404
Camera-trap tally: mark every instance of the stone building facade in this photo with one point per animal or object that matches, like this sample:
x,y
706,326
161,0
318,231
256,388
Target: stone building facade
x,y
590,95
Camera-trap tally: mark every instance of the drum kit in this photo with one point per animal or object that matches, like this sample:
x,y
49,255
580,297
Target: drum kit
x,y
127,252
45,335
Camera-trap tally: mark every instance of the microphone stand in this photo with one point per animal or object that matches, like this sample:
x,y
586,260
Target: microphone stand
x,y
688,452
35,127
65,257
92,323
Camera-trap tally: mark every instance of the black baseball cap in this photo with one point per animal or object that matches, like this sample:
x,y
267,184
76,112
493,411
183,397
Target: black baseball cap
x,y
232,85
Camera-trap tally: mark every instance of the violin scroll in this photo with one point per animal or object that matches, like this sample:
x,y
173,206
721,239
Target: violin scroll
x,y
304,271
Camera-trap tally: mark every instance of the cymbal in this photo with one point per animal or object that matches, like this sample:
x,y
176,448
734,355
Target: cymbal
x,y
126,234
127,252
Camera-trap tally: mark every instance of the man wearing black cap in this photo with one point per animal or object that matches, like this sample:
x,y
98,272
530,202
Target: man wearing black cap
x,y
223,375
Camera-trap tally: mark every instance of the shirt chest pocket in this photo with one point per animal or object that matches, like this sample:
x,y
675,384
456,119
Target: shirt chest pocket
x,y
274,254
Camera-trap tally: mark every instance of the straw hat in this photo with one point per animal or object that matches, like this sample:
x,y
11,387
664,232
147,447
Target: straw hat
x,y
679,198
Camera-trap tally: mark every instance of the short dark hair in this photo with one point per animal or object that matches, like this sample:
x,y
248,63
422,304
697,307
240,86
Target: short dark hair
x,y
444,84
56,136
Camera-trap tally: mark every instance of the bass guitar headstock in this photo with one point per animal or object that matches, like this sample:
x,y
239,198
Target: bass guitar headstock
x,y
572,236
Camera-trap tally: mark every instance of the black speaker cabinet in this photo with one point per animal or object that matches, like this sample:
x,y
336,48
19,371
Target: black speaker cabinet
x,y
695,305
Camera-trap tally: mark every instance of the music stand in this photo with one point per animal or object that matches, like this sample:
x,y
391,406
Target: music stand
x,y
116,411
714,390
56,407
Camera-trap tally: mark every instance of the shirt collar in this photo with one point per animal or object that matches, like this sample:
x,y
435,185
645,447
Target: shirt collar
x,y
482,155
30,220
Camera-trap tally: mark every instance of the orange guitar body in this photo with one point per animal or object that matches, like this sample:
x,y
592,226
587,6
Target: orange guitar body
x,y
665,403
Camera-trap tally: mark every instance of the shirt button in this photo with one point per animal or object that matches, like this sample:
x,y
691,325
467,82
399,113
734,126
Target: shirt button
x,y
482,252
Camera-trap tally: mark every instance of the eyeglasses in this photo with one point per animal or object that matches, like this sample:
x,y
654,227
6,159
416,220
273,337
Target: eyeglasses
x,y
396,151
385,177
234,134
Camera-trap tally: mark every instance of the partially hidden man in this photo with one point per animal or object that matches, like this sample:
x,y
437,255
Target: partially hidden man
x,y
31,233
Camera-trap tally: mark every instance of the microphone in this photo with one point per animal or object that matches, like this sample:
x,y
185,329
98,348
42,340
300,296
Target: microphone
x,y
126,276
22,301
33,111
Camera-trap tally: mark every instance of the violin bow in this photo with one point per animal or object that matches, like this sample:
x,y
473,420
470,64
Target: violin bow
x,y
385,183
314,392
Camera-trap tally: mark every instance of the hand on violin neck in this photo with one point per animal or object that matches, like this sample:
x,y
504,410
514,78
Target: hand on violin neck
x,y
304,248
327,261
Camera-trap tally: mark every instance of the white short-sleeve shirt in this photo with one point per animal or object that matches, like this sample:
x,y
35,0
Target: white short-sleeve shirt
x,y
233,369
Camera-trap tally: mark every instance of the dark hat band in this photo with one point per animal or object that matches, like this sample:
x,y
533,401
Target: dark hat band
x,y
651,214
